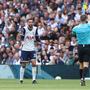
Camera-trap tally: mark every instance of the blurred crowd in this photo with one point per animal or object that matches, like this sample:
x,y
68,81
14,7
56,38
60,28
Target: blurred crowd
x,y
54,19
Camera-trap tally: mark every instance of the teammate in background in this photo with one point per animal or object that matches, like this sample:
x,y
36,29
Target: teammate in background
x,y
82,32
28,53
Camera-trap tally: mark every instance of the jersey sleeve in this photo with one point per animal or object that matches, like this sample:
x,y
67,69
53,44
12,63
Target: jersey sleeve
x,y
37,38
74,31
22,34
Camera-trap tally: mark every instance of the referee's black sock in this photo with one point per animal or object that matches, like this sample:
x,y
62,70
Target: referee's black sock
x,y
85,70
81,73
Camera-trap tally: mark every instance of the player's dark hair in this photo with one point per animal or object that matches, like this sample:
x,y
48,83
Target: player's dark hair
x,y
83,18
29,19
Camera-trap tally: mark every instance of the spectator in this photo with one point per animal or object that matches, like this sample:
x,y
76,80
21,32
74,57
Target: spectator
x,y
54,19
10,59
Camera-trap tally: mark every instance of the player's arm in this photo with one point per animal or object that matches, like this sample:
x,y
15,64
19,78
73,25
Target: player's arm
x,y
74,32
37,38
21,35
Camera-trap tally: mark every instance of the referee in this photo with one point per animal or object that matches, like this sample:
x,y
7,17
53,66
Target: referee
x,y
82,32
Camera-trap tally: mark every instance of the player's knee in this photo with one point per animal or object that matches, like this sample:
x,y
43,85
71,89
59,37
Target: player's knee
x,y
23,66
33,63
85,64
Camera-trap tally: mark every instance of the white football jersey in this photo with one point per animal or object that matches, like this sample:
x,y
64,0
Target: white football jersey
x,y
29,39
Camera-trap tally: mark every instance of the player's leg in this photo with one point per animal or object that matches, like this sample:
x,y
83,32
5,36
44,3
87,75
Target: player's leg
x,y
86,62
85,70
34,66
81,54
81,70
82,81
22,69
24,61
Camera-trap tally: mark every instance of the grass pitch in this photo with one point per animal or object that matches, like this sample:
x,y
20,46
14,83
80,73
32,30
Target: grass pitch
x,y
13,84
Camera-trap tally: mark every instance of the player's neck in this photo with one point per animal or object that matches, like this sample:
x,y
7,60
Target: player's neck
x,y
30,28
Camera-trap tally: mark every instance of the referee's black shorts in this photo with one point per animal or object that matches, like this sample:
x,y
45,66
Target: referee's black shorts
x,y
84,53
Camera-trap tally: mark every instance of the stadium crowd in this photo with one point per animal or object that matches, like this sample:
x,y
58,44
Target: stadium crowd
x,y
54,20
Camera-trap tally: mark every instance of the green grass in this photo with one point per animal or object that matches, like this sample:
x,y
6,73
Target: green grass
x,y
6,84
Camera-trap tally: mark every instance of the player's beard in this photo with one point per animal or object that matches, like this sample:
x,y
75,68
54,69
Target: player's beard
x,y
30,27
